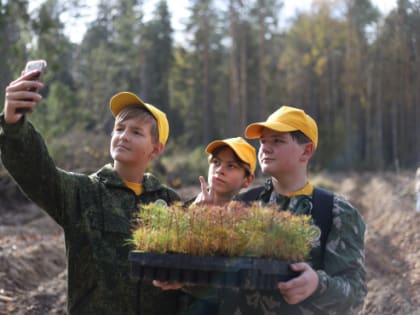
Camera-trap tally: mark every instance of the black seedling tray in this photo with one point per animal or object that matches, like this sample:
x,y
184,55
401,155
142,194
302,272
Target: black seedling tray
x,y
242,272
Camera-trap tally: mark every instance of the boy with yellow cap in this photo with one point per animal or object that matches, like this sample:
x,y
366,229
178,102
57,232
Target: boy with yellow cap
x,y
333,281
232,165
96,211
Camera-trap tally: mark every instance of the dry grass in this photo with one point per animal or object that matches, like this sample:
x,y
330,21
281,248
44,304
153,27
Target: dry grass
x,y
230,231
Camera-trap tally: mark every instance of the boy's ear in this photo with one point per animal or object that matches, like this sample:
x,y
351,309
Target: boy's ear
x,y
157,150
308,151
248,180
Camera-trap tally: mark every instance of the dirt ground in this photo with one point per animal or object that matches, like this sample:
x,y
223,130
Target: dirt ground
x,y
32,257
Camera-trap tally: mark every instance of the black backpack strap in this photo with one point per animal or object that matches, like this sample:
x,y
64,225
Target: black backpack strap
x,y
251,194
322,201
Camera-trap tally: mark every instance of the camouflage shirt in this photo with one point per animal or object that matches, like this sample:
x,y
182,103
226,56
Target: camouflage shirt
x,y
342,287
96,214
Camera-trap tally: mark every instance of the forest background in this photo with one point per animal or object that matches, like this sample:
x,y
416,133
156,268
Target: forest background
x,y
354,69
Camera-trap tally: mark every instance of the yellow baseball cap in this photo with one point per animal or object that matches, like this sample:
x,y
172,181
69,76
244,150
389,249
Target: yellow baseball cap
x,y
240,146
124,99
286,119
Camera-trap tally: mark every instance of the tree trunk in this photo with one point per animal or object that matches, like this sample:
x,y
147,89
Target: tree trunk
x,y
243,86
261,63
206,88
234,96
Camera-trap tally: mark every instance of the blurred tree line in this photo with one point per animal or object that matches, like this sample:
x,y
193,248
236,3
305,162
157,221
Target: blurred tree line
x,y
354,70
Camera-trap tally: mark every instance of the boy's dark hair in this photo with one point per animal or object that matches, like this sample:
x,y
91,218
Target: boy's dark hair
x,y
245,165
300,137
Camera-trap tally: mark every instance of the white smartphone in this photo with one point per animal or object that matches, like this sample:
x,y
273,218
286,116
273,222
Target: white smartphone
x,y
41,66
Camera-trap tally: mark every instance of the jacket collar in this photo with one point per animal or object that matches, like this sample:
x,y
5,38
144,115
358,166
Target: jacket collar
x,y
109,177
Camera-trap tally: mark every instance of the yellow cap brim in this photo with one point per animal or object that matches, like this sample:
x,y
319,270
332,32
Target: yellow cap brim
x,y
253,131
286,119
246,154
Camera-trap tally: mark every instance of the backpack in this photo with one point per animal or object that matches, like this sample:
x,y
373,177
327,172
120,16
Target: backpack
x,y
322,201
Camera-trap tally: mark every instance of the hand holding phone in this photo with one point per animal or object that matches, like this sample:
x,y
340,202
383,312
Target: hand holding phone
x,y
41,66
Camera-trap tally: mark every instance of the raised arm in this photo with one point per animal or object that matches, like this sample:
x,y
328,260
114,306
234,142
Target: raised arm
x,y
21,94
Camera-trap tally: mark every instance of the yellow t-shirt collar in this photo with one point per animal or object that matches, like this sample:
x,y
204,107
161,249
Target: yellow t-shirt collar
x,y
308,189
137,188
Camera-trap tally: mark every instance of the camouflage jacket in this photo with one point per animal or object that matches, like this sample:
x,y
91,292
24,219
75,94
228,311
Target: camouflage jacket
x,y
342,287
96,213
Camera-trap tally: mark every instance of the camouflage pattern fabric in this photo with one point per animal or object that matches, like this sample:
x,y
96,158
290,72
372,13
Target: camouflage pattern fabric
x,y
342,284
96,214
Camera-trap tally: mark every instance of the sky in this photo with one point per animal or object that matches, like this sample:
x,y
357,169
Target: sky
x,y
178,8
